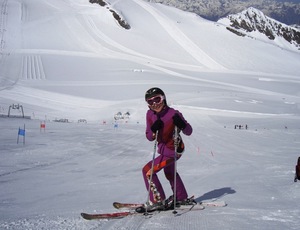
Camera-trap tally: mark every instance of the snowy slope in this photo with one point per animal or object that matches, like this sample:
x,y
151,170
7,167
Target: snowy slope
x,y
74,48
66,59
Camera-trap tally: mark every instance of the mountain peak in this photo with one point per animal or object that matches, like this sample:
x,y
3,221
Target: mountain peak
x,y
252,12
254,23
253,17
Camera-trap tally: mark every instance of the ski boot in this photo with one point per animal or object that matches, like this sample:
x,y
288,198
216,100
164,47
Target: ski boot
x,y
151,207
169,203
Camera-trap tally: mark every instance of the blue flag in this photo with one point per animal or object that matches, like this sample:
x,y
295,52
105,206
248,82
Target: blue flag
x,y
21,132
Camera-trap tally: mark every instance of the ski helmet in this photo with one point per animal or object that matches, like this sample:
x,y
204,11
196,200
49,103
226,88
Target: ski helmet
x,y
153,92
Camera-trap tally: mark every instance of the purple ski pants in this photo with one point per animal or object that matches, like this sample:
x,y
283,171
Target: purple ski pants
x,y
157,192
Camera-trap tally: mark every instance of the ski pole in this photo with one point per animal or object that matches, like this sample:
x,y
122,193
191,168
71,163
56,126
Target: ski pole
x,y
175,167
151,174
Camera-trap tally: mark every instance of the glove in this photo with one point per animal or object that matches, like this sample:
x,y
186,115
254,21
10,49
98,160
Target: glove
x,y
157,125
177,120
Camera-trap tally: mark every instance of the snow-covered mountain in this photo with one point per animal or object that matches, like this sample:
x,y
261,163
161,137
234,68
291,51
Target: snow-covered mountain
x,y
71,45
253,22
287,12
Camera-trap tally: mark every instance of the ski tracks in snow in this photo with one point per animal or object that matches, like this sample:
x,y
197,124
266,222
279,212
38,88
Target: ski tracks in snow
x,y
181,38
3,24
115,49
171,28
32,68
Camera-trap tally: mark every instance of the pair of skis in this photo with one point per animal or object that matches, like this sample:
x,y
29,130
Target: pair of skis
x,y
131,210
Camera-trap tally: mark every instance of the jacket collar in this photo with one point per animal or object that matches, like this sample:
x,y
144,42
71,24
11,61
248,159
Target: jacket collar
x,y
162,112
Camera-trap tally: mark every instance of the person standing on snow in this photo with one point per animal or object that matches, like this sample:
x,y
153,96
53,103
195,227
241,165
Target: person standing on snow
x,y
297,171
161,120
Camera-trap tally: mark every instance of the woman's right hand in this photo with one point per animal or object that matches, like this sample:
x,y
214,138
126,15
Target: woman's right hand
x,y
157,125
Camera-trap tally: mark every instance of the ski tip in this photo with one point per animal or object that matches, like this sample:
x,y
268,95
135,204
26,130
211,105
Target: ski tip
x,y
116,205
85,216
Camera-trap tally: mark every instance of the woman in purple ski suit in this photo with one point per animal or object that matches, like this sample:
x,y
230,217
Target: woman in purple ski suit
x,y
162,119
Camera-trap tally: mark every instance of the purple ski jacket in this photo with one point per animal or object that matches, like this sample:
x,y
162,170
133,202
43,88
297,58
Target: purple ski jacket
x,y
165,135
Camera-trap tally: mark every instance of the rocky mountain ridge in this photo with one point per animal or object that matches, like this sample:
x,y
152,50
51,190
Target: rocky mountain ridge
x,y
252,20
286,12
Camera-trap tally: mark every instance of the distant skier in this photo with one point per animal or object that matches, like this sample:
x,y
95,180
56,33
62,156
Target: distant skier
x,y
162,119
297,171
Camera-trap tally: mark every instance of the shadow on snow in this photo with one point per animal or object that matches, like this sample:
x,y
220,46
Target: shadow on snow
x,y
215,194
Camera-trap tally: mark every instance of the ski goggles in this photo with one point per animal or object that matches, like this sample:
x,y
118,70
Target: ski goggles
x,y
156,99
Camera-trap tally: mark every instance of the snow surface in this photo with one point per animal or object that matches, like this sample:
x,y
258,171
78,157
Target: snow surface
x,y
66,59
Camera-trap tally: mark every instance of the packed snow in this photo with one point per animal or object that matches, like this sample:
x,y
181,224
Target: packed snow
x,y
80,78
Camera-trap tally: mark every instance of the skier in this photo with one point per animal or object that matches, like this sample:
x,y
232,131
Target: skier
x,y
297,171
161,120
